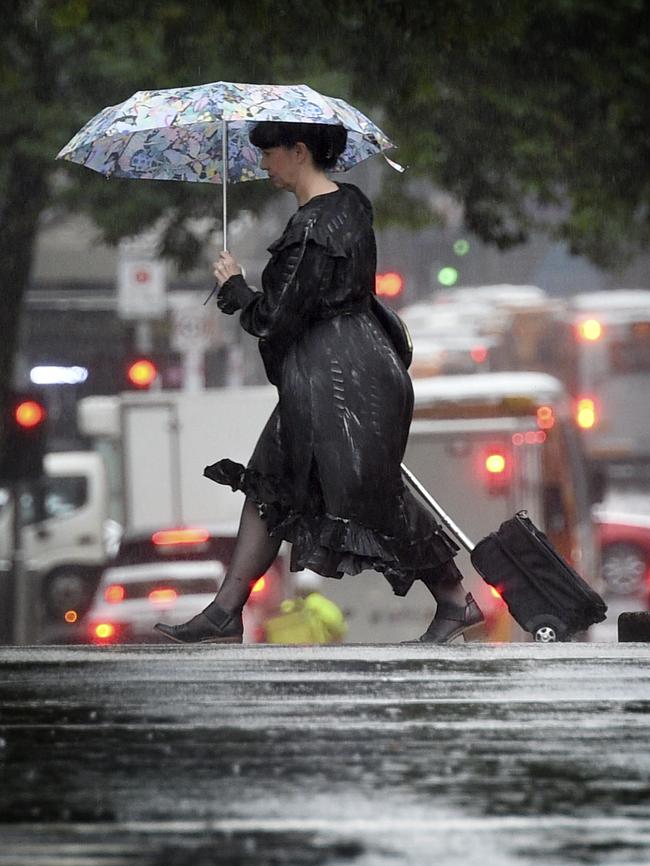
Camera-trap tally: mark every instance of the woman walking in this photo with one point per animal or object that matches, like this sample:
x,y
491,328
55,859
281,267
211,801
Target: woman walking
x,y
325,474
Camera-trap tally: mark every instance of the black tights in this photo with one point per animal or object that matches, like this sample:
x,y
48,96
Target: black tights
x,y
254,552
445,583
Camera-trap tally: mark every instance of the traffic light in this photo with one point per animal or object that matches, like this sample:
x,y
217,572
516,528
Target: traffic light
x,y
22,438
389,285
448,276
142,373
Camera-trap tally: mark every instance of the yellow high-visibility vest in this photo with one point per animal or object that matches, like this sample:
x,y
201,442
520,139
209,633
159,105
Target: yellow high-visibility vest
x,y
312,620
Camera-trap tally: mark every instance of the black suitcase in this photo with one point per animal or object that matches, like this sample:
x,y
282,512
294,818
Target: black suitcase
x,y
543,593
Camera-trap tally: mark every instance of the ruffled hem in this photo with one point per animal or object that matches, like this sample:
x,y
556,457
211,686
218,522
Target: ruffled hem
x,y
334,546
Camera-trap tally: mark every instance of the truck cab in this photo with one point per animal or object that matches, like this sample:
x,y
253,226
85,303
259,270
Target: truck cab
x,y
65,537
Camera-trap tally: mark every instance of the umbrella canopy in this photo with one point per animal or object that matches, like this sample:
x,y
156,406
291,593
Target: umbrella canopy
x,y
183,133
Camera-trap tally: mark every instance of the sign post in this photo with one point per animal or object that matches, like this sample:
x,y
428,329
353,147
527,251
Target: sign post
x,y
194,330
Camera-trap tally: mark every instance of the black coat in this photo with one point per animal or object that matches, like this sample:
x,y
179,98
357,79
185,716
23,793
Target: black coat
x,y
325,473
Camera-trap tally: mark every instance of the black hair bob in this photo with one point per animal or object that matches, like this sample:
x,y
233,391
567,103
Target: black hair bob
x,y
325,141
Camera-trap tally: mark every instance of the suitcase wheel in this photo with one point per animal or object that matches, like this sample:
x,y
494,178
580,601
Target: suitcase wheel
x,y
547,629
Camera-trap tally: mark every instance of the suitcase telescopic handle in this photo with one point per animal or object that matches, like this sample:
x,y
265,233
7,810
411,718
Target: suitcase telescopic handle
x,y
438,509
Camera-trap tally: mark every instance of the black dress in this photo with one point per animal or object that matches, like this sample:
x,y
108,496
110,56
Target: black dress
x,y
325,472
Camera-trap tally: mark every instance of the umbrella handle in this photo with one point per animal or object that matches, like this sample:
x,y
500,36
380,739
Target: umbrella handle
x,y
215,289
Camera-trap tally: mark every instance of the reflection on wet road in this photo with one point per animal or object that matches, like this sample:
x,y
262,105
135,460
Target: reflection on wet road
x,y
477,754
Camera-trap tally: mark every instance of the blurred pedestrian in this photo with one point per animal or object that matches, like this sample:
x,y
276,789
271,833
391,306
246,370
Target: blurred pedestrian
x,y
325,474
307,618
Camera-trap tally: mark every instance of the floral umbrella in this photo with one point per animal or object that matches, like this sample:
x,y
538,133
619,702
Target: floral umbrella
x,y
201,133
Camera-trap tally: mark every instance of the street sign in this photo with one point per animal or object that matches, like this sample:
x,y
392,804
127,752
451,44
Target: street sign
x,y
141,284
194,328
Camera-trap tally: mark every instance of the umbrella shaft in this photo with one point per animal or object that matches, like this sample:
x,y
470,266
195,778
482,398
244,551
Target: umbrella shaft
x,y
224,178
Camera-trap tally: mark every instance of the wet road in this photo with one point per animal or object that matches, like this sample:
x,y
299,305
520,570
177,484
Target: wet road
x,y
477,754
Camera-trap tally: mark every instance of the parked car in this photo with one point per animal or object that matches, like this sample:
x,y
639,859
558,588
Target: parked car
x,y
169,575
625,549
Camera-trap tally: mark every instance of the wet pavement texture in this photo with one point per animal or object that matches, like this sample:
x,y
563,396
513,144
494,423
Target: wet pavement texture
x,y
368,755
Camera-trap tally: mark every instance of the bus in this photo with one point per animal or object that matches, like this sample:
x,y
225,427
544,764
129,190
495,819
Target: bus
x,y
598,345
612,372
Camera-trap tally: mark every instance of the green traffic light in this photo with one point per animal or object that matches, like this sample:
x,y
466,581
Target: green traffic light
x,y
461,247
447,276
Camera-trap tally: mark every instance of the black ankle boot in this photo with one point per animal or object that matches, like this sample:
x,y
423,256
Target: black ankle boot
x,y
213,625
452,620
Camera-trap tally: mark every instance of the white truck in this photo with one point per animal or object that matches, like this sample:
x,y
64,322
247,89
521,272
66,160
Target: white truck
x,y
66,534
158,443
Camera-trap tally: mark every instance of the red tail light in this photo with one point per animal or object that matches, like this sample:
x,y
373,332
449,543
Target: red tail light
x,y
497,469
590,330
545,417
103,632
259,586
479,354
530,437
114,593
496,463
169,537
586,415
163,596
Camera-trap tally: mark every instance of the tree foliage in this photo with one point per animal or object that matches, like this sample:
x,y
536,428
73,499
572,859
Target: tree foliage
x,y
530,113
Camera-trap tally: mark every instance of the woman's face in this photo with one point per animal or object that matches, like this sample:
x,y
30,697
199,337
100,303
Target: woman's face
x,y
282,165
